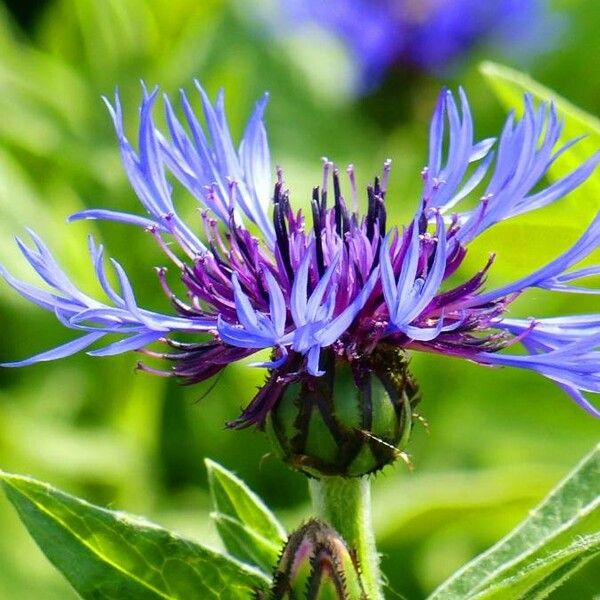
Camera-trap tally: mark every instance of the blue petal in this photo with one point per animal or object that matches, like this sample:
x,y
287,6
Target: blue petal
x,y
434,277
312,362
318,293
256,163
299,294
277,304
272,364
106,316
560,188
585,245
59,352
423,334
388,279
97,254
436,134
525,153
242,338
574,365
40,297
245,311
580,399
113,215
408,272
332,331
129,299
413,296
135,342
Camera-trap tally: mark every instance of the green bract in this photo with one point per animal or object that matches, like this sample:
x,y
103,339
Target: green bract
x,y
350,422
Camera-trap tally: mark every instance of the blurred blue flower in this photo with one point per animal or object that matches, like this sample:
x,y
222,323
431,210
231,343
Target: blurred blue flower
x,y
344,288
421,34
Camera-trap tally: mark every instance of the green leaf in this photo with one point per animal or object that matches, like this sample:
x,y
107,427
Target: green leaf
x,y
539,578
111,555
510,85
245,544
557,537
247,527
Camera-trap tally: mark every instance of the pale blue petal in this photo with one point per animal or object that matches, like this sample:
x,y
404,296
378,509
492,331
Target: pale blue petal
x,y
316,297
60,352
113,215
332,331
135,342
312,362
585,245
277,304
242,338
272,364
423,334
388,279
245,311
299,294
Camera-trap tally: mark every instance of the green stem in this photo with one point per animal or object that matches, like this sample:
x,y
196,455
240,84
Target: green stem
x,y
345,503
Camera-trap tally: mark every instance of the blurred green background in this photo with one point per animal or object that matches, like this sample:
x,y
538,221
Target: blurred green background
x,y
499,439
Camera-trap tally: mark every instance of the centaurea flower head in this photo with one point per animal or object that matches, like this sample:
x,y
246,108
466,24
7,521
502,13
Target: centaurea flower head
x,y
339,298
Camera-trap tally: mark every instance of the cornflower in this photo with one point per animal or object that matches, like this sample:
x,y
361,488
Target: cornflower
x,y
339,298
426,35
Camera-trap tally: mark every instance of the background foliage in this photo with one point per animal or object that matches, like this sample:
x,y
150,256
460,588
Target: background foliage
x,y
499,438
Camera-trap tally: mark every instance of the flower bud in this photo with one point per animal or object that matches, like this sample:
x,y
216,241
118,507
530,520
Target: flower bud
x,y
316,564
351,421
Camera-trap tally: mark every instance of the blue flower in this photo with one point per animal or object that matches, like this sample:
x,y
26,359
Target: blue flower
x,y
345,288
425,35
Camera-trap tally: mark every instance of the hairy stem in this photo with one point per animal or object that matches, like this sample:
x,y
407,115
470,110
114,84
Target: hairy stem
x,y
345,503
